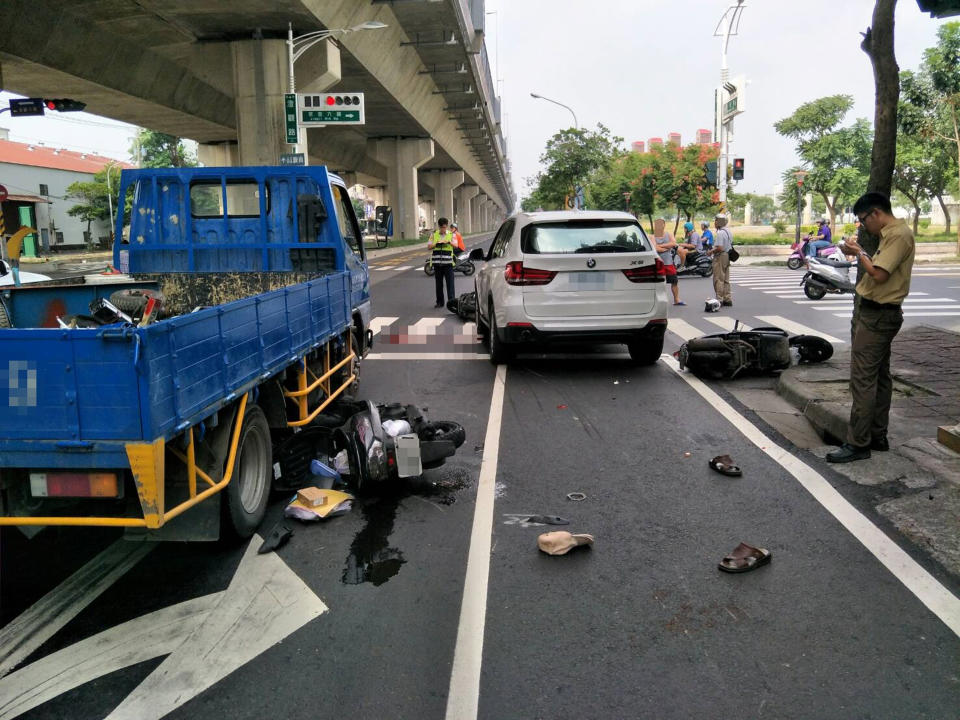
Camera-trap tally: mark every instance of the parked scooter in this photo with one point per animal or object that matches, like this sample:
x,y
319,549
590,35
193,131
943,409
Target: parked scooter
x,y
698,263
799,255
463,264
827,276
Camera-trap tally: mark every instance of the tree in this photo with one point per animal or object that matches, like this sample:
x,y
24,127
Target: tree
x,y
878,45
158,150
836,158
571,156
940,82
92,197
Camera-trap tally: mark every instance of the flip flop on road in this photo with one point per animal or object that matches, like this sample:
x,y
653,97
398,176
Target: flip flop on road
x,y
723,464
744,558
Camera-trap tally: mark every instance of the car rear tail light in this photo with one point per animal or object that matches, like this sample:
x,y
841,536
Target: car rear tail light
x,y
93,485
648,273
516,274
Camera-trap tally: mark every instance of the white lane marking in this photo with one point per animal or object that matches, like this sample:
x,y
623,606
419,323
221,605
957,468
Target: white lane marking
x,y
264,603
796,328
404,267
683,329
835,301
907,308
463,696
43,619
379,323
426,356
725,322
940,601
144,638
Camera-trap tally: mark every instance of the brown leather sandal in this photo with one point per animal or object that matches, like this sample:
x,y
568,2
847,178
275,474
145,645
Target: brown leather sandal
x,y
744,558
723,464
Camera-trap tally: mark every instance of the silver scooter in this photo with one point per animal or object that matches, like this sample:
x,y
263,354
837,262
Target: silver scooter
x,y
828,276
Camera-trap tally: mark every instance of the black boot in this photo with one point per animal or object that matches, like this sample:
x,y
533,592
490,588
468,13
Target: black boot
x,y
848,453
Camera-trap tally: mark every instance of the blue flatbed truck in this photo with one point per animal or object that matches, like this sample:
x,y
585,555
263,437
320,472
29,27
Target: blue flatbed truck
x,y
164,427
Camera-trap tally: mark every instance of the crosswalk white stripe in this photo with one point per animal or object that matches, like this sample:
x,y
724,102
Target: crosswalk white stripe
x,y
404,267
725,322
378,323
841,300
908,307
682,328
426,356
796,328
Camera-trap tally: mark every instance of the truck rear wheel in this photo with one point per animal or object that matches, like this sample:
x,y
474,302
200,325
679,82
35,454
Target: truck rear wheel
x,y
245,498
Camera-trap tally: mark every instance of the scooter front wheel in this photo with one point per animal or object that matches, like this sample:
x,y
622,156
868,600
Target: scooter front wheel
x,y
794,263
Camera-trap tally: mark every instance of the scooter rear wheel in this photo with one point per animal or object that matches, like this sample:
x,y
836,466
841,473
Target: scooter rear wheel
x,y
813,292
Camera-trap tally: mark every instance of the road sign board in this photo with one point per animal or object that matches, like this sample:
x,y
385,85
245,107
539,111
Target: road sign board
x,y
3,193
293,159
733,99
290,117
335,108
27,106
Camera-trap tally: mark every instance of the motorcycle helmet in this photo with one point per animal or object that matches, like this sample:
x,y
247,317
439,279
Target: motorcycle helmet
x,y
711,305
704,224
688,226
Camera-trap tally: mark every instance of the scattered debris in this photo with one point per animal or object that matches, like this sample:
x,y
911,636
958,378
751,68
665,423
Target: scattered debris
x,y
577,496
334,503
723,464
547,520
560,542
277,537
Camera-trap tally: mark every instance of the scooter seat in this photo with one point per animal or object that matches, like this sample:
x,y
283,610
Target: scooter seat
x,y
836,263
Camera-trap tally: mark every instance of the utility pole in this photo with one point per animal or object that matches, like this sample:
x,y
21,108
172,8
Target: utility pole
x,y
728,25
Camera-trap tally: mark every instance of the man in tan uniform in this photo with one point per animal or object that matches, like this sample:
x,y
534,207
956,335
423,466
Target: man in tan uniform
x,y
882,289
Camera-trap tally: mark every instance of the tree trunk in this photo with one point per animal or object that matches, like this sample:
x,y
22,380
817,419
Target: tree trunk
x,y
676,223
878,45
946,213
916,218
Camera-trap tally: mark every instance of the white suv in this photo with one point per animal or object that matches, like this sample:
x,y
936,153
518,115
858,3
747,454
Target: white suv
x,y
571,276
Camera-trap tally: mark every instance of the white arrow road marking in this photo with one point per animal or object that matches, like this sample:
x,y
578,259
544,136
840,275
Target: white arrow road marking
x,y
264,603
144,638
379,323
43,619
205,640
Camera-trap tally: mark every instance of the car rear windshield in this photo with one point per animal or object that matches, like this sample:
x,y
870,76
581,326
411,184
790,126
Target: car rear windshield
x,y
583,236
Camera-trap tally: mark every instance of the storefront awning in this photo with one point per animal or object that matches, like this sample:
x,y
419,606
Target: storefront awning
x,y
26,199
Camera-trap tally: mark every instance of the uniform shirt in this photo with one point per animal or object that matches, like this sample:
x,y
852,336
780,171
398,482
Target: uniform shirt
x,y
723,240
443,246
895,255
666,257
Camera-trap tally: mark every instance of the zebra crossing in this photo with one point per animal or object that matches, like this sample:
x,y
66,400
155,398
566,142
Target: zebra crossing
x,y
449,338
786,285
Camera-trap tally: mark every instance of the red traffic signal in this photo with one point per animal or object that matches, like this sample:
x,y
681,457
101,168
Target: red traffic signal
x,y
64,104
738,168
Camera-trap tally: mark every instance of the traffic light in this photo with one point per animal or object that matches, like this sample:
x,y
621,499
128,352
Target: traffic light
x,y
711,170
64,105
738,168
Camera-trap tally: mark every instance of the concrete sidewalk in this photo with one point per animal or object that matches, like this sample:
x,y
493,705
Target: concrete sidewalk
x,y
916,483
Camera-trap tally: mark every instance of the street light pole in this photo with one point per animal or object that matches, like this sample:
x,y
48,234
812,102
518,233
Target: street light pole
x,y
576,125
799,175
728,26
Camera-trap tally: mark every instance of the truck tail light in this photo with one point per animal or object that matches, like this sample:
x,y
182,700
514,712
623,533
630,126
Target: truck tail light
x,y
93,485
648,273
516,274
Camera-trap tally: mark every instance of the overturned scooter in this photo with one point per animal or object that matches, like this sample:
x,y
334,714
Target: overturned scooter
x,y
757,351
377,450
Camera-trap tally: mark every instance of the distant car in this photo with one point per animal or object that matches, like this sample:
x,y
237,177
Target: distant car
x,y
6,275
571,276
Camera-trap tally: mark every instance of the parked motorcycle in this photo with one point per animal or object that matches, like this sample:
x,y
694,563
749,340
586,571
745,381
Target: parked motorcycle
x,y
462,264
698,263
827,276
799,255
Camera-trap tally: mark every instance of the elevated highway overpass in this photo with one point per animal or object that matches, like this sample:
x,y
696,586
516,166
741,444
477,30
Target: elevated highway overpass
x,y
216,71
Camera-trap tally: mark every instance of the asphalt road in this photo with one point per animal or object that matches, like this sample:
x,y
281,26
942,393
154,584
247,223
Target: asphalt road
x,y
640,625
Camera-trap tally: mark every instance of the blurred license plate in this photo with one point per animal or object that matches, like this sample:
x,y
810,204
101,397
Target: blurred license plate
x,y
597,280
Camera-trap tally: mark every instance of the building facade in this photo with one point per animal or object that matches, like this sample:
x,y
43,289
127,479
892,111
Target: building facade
x,y
36,178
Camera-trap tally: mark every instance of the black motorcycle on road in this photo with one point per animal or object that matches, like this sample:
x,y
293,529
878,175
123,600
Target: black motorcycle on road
x,y
698,263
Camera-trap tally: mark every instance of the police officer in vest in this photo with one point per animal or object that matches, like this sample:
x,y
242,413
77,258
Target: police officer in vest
x,y
441,244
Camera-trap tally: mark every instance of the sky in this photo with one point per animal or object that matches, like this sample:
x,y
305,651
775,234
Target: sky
x,y
643,68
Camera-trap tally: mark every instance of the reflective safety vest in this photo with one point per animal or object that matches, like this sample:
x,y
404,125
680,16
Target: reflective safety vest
x,y
442,248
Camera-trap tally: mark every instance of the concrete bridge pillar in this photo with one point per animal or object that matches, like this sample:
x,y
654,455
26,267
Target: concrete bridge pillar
x,y
225,154
259,82
808,209
402,157
748,214
465,196
443,183
478,202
